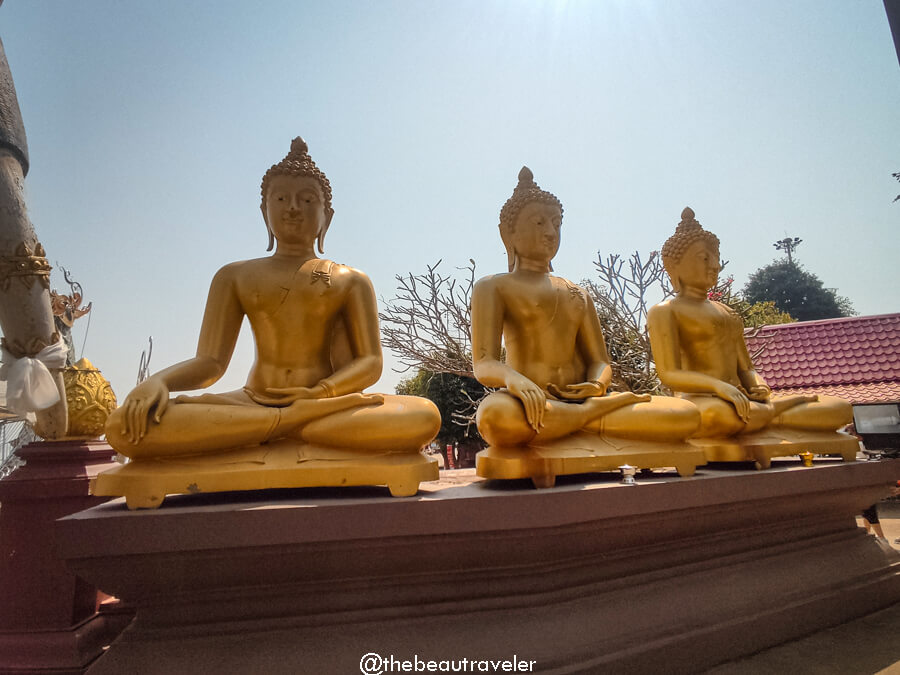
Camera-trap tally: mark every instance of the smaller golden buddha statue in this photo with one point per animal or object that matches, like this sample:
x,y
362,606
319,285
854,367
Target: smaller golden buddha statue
x,y
553,414
700,353
302,419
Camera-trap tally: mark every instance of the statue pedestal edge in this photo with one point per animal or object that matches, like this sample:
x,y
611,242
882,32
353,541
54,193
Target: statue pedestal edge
x,y
282,464
672,575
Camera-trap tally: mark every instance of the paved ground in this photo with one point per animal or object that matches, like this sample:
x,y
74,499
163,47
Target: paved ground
x,y
866,646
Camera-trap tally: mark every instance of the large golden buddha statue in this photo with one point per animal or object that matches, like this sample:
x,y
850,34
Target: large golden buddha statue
x,y
552,414
302,418
700,353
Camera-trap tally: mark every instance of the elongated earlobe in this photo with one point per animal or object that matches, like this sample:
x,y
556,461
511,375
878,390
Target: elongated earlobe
x,y
268,229
320,240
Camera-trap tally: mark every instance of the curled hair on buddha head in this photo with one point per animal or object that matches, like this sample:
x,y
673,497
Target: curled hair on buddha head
x,y
298,163
687,232
526,191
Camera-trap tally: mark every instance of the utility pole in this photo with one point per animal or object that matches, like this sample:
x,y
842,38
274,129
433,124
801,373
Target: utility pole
x,y
788,245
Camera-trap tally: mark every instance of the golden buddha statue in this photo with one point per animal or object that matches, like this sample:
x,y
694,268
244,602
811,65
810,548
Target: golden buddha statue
x,y
699,349
553,414
301,419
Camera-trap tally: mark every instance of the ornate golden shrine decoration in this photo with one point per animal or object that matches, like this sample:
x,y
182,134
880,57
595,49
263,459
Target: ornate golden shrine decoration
x,y
89,399
26,265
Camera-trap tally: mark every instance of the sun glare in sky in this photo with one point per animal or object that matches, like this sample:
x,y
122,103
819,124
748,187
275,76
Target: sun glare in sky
x,y
150,126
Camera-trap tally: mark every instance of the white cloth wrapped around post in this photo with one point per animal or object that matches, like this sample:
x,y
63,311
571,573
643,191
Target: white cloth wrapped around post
x,y
29,384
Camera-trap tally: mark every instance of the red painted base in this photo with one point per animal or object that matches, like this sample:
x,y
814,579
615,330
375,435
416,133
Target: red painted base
x,y
48,615
669,575
66,651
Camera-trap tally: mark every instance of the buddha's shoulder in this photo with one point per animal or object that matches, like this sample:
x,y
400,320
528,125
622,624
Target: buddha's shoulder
x,y
662,309
338,274
493,282
317,268
724,309
677,306
561,283
732,318
234,271
508,282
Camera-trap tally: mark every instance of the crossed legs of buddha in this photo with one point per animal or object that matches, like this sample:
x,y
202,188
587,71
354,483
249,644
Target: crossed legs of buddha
x,y
802,412
501,418
364,422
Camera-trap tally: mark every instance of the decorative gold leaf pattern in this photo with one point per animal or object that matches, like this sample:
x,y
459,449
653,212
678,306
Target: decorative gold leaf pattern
x,y
89,399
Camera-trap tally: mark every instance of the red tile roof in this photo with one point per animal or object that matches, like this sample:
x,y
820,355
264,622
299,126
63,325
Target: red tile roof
x,y
857,358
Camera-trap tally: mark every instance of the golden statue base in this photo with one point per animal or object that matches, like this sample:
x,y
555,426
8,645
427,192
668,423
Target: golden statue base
x,y
762,446
282,464
584,453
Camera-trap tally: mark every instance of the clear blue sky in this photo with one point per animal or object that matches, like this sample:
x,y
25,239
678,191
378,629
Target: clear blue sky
x,y
150,125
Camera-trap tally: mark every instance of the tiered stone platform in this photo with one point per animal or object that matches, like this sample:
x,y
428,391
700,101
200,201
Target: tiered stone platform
x,y
672,575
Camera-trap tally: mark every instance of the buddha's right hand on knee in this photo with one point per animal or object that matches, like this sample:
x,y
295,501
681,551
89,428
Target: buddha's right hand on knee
x,y
149,394
532,397
737,398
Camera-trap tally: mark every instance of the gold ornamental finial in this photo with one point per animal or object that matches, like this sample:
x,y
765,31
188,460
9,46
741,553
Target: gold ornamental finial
x,y
299,147
89,399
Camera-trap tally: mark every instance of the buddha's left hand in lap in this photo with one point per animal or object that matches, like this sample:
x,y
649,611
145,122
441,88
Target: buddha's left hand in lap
x,y
282,396
760,393
577,392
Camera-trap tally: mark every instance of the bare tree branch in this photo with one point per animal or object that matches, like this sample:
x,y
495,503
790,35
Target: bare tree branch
x,y
623,297
427,323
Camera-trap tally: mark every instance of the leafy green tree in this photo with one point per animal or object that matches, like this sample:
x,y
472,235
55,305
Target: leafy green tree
x,y
455,396
764,313
796,291
755,314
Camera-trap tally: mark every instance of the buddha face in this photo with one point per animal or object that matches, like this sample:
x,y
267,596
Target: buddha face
x,y
698,268
535,235
295,209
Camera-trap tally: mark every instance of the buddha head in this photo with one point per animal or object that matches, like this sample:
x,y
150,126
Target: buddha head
x,y
691,255
297,168
530,221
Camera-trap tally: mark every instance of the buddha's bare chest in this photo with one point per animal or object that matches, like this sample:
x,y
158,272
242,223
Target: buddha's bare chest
x,y
289,299
532,307
704,326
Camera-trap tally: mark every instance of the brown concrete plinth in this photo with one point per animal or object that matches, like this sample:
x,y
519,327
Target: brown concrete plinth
x,y
673,575
48,619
